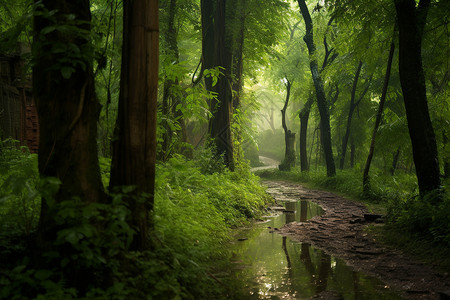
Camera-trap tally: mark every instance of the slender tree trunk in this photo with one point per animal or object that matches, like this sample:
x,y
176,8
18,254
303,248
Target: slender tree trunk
x,y
395,161
352,154
289,137
134,150
446,156
350,115
304,117
411,22
320,93
169,99
68,112
366,183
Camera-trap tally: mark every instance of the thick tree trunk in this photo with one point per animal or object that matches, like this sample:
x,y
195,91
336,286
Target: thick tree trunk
x,y
411,22
366,183
208,45
320,93
216,52
134,149
220,107
68,112
238,47
289,137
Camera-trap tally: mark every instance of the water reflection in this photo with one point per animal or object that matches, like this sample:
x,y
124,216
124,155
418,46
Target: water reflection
x,y
274,267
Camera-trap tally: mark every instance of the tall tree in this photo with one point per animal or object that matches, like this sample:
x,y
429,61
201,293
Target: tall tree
x,y
411,23
68,109
289,137
353,104
320,92
217,53
134,148
366,186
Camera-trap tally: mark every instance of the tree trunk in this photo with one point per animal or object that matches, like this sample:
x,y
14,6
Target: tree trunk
x,y
68,112
289,137
169,100
320,93
134,149
395,161
411,22
304,117
220,107
208,45
352,154
216,52
366,183
350,115
446,156
237,41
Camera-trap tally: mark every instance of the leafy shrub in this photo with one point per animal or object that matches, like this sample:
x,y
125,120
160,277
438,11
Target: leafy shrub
x,y
19,200
196,203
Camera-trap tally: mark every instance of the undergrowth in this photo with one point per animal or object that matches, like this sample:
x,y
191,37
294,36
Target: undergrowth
x,y
196,203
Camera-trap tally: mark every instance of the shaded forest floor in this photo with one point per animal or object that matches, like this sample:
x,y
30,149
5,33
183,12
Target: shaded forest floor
x,y
343,232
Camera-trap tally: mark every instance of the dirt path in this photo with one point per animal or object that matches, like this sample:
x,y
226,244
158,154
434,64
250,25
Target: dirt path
x,y
340,232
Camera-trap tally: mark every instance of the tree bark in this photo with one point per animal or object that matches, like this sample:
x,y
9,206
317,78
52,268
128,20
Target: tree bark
x,y
411,21
366,183
395,161
289,137
134,148
320,93
68,111
304,117
169,100
220,107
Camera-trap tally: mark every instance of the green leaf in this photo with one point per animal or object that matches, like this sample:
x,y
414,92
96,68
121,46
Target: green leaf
x,y
43,274
66,72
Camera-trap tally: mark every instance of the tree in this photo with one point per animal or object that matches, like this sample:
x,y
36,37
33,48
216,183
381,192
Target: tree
x,y
366,182
68,109
320,93
134,148
289,137
353,104
411,23
217,53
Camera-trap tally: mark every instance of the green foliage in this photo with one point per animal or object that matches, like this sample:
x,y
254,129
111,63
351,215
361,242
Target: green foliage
x,y
419,217
19,200
195,206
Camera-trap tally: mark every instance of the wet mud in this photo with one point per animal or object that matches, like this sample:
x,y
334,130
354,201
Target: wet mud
x,y
340,232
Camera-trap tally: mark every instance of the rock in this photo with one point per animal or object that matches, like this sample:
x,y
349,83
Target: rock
x,y
371,217
444,295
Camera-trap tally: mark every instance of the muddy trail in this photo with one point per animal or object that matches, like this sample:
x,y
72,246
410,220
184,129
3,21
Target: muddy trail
x,y
340,232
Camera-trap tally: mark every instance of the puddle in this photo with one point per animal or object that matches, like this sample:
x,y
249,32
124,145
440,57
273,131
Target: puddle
x,y
271,266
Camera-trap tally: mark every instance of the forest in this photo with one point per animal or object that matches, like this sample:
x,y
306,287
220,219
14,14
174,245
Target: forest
x,y
147,148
